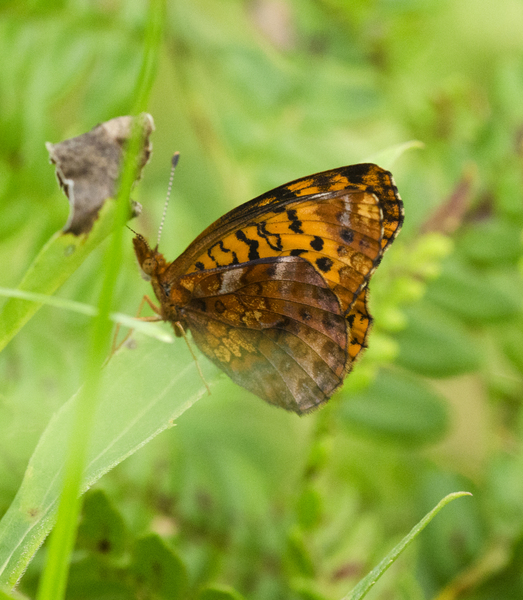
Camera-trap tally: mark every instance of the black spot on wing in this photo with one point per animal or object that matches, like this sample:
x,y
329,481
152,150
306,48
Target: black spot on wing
x,y
324,264
253,244
347,235
357,173
271,271
199,304
317,243
295,223
219,306
305,314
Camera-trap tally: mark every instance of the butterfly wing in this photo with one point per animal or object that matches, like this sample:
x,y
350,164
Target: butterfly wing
x,y
274,326
341,221
364,177
275,292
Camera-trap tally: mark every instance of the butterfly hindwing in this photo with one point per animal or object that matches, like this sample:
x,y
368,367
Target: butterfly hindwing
x,y
274,327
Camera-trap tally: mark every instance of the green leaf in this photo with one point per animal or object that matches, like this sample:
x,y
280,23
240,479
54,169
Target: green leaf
x,y
398,408
492,243
435,344
11,595
298,553
98,578
304,589
53,582
221,592
512,339
102,528
475,295
368,582
159,571
309,508
143,391
55,263
307,594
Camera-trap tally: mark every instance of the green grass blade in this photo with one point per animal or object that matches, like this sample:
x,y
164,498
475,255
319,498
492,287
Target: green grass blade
x,y
367,582
147,328
386,158
53,266
6,595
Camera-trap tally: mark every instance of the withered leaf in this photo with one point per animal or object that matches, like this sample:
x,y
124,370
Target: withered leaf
x,y
88,166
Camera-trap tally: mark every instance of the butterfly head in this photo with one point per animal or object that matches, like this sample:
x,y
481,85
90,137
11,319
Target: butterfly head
x,y
150,260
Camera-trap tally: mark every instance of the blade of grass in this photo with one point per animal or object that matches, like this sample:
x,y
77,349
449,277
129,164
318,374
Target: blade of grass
x,y
387,157
11,596
367,582
53,582
147,328
56,261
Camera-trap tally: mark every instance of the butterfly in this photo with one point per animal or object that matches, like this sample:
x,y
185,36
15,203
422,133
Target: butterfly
x,y
275,291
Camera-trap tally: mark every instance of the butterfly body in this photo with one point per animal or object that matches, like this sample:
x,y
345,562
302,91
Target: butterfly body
x,y
275,291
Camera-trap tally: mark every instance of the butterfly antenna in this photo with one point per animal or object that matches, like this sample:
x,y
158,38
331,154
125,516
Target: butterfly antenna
x,y
174,162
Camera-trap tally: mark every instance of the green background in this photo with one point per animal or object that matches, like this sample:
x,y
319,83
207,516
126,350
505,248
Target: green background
x,y
247,499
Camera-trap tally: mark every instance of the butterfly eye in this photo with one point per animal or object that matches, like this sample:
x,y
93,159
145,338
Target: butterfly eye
x,y
149,266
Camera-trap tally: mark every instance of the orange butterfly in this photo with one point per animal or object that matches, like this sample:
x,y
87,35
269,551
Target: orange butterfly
x,y
275,291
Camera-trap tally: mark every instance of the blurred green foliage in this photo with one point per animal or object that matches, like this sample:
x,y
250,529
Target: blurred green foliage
x,y
241,499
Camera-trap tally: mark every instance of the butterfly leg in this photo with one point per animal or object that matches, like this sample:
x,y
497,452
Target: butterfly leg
x,y
157,317
154,307
180,328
